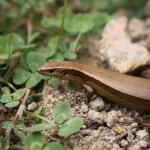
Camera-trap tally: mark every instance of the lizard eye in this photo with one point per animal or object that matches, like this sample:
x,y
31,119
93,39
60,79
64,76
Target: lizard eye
x,y
51,71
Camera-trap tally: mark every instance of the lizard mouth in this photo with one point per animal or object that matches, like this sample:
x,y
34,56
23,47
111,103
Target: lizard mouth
x,y
57,75
51,74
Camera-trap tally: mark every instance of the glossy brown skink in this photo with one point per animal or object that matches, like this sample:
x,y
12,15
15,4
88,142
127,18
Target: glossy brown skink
x,y
129,91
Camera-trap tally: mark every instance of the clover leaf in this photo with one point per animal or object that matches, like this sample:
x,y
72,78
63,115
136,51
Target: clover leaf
x,y
18,94
71,126
5,98
35,60
61,112
34,141
80,23
53,146
34,80
21,76
42,127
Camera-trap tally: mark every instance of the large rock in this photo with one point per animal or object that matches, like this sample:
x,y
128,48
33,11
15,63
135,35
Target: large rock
x,y
140,31
117,49
137,29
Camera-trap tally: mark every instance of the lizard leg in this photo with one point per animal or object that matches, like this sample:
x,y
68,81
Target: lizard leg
x,y
89,91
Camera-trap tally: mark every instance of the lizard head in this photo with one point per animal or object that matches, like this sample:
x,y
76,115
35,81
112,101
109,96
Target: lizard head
x,y
63,70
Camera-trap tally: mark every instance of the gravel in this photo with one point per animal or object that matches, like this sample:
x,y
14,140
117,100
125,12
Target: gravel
x,y
107,126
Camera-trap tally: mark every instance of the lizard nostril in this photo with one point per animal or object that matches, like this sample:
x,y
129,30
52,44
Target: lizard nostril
x,y
39,71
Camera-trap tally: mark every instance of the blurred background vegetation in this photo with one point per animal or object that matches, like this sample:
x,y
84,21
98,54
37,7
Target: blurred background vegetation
x,y
36,23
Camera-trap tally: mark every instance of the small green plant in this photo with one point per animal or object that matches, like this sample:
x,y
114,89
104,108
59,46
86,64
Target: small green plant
x,y
64,126
31,61
12,99
35,141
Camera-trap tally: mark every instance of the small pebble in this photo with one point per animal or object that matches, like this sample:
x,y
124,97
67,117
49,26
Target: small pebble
x,y
142,134
142,143
134,124
96,133
119,113
121,119
119,130
96,116
140,31
97,104
134,147
124,143
116,147
112,118
84,108
92,114
32,106
130,137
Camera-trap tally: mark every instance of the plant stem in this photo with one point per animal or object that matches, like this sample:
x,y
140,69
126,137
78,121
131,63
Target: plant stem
x,y
22,106
76,42
63,19
36,115
18,114
7,83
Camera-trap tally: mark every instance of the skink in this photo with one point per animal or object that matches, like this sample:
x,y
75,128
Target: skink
x,y
129,91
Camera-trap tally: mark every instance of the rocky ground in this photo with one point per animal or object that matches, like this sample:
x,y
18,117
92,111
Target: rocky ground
x,y
107,126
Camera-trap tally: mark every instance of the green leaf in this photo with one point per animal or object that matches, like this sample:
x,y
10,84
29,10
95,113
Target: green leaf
x,y
100,19
5,98
53,45
46,22
42,127
23,59
18,41
71,126
53,146
6,45
21,76
19,133
12,104
58,57
55,82
33,37
40,110
63,47
35,60
80,23
70,55
34,141
61,112
74,46
8,125
18,94
60,13
5,89
34,80
20,126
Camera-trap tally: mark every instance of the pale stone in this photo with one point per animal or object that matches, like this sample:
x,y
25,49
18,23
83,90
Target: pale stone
x,y
117,49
